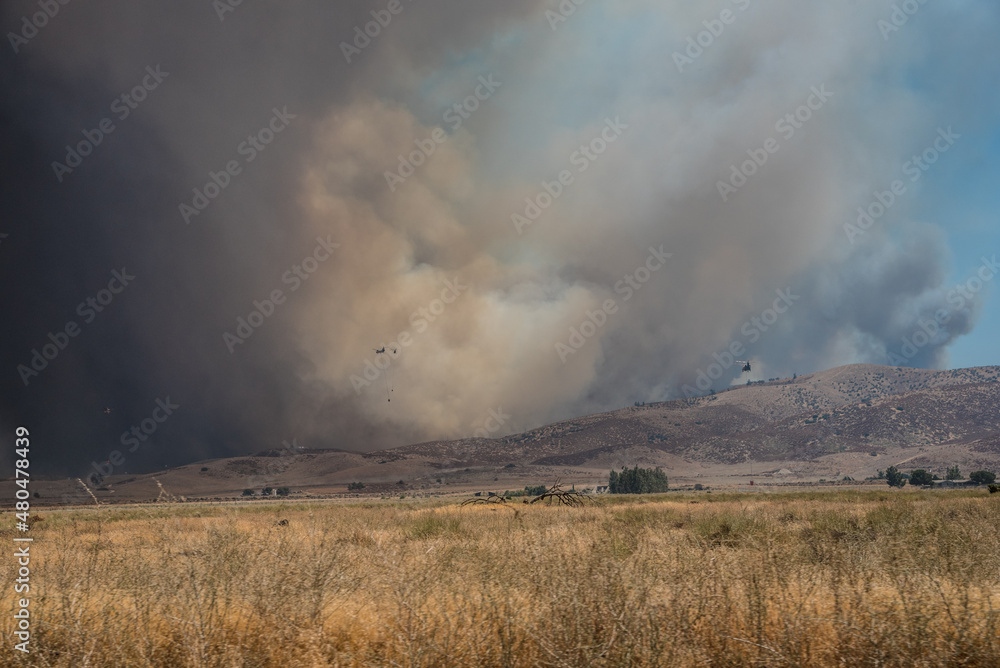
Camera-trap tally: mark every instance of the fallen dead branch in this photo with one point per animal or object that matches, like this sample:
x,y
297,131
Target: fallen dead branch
x,y
485,500
567,497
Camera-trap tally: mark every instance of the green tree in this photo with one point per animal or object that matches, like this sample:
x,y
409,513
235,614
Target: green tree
x,y
953,473
894,477
983,477
266,491
351,486
921,477
637,481
248,492
284,491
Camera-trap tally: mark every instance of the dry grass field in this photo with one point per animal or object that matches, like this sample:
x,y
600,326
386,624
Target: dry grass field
x,y
840,578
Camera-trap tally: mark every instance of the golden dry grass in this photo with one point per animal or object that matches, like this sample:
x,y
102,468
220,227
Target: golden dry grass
x,y
810,579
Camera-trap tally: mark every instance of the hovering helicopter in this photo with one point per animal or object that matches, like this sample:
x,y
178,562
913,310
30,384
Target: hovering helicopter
x,y
746,365
381,351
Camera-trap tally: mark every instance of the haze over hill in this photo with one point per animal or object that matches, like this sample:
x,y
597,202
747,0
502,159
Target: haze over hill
x,y
847,421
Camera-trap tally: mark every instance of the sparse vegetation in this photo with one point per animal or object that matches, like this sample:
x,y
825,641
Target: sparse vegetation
x,y
843,578
355,486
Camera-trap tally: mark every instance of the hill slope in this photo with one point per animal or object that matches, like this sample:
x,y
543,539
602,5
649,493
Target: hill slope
x,y
849,420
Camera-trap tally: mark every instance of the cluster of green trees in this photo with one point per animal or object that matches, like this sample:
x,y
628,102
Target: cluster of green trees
x,y
637,481
983,477
896,478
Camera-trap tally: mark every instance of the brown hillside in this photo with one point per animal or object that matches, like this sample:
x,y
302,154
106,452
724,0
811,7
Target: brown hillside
x,y
844,421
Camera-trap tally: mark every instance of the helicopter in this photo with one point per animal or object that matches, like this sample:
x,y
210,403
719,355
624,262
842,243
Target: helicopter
x,y
746,365
381,351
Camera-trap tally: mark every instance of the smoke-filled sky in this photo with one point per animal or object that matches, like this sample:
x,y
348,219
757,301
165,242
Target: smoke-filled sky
x,y
214,214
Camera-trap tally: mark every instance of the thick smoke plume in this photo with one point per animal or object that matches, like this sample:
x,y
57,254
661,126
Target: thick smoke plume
x,y
535,210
